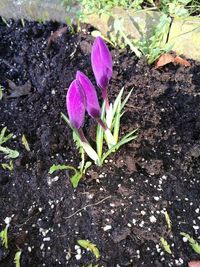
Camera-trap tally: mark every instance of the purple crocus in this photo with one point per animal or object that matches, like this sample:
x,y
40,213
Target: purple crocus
x,y
75,101
92,103
102,65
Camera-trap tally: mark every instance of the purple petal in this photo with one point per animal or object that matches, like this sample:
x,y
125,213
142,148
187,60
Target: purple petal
x,y
101,64
75,101
92,103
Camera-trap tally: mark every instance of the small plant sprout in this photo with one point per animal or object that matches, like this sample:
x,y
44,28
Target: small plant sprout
x,y
165,245
4,236
193,243
9,166
7,151
1,92
25,143
17,258
90,246
168,220
82,97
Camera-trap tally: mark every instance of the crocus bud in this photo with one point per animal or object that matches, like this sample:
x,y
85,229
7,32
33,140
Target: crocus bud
x,y
101,64
75,101
92,103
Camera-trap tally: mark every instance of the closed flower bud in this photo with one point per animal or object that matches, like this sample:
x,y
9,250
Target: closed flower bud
x,y
101,64
92,103
75,102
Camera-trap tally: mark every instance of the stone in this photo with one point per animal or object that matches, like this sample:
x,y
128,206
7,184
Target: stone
x,y
185,35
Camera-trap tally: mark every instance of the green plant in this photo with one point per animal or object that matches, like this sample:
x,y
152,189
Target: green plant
x,y
10,153
4,236
90,246
193,243
25,143
82,97
156,45
168,220
17,258
175,8
9,166
1,92
78,174
165,245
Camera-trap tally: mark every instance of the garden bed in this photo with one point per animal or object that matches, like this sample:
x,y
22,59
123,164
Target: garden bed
x,y
120,206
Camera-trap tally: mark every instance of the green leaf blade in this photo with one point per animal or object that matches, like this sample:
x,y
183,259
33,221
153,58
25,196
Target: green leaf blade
x,y
88,245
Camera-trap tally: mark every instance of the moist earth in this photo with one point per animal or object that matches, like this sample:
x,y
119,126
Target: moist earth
x,y
121,207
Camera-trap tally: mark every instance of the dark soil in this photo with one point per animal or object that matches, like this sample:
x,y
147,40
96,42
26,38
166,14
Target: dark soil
x,y
157,172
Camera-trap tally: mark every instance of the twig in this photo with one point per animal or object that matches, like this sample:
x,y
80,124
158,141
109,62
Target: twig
x,y
87,206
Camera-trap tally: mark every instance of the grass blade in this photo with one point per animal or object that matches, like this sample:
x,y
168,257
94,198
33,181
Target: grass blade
x,y
126,99
117,121
100,133
129,137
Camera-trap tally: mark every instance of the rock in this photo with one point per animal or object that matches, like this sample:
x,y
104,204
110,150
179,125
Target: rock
x,y
185,35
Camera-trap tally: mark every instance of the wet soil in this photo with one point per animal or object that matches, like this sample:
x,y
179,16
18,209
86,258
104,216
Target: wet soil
x,y
120,206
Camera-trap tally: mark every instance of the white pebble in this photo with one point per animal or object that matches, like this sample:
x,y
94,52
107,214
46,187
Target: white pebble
x,y
152,219
78,256
107,227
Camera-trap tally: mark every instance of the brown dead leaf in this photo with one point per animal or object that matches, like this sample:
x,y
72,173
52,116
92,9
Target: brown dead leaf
x,y
194,264
54,36
182,61
164,60
168,58
18,90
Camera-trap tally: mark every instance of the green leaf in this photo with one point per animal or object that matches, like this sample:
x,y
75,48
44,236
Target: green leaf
x,y
4,139
17,258
165,245
91,152
8,166
88,245
9,152
127,138
4,237
75,179
25,143
61,167
100,133
168,220
87,165
117,100
193,243
126,99
117,121
1,92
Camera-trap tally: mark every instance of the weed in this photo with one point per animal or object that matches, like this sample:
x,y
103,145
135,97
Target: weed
x,y
90,246
1,92
25,143
9,166
165,245
4,236
7,151
17,258
168,220
193,243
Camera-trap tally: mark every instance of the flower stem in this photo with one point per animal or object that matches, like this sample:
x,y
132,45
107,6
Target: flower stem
x,y
107,104
82,136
